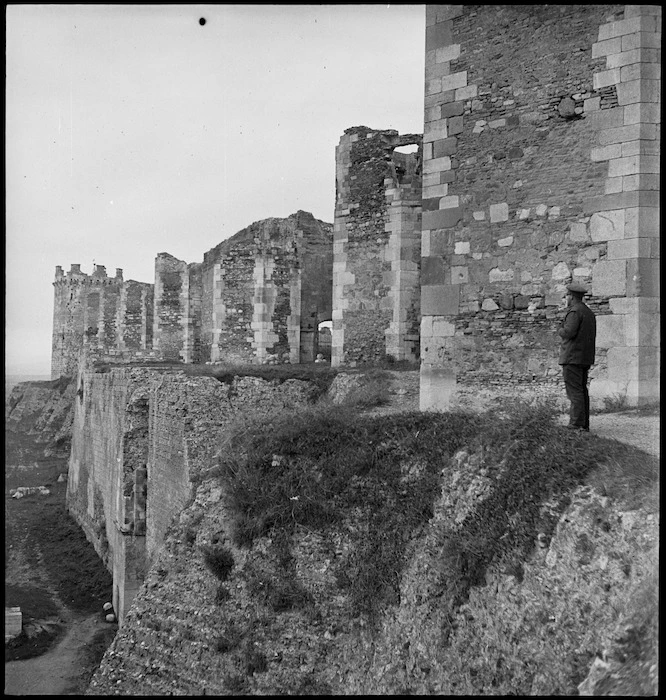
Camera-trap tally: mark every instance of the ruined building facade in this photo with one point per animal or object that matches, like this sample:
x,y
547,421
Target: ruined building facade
x,y
257,297
538,166
377,248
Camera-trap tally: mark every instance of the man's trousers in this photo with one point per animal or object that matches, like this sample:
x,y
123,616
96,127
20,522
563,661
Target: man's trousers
x,y
575,382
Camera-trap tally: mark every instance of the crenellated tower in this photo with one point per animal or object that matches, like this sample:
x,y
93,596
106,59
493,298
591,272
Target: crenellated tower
x,y
106,316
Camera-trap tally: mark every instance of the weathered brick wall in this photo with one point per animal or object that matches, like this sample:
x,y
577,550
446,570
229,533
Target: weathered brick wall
x,y
516,195
375,251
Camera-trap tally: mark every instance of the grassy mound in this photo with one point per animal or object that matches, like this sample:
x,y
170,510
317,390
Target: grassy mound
x,y
316,466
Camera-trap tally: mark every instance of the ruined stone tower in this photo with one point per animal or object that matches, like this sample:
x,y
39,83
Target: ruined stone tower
x,y
540,167
107,316
257,297
376,248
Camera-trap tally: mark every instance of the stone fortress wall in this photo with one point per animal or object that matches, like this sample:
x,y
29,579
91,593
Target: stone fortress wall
x,y
540,167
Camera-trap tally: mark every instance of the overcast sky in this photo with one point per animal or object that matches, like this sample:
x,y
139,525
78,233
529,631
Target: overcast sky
x,y
136,129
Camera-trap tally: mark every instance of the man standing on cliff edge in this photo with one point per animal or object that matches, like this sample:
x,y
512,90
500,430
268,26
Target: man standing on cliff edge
x,y
578,331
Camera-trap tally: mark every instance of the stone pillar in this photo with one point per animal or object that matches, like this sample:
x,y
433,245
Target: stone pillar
x,y
404,251
626,217
376,247
263,305
440,291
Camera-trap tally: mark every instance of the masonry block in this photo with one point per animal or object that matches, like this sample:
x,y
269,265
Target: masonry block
x,y
638,55
432,270
455,80
610,331
440,300
444,218
642,222
499,212
447,53
438,35
636,113
629,248
639,91
643,23
437,164
609,278
606,78
648,40
442,327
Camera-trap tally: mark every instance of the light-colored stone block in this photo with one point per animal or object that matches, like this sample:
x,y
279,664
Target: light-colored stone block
x,y
466,93
499,275
430,179
606,152
607,225
609,278
425,244
447,53
435,191
426,326
459,274
479,215
642,112
606,78
644,23
640,71
638,91
629,248
505,242
631,132
582,272
462,248
642,40
489,305
618,167
450,201
649,181
437,165
642,222
499,212
613,185
434,131
606,47
635,305
442,327
610,331
634,56
453,81
433,86
560,272
577,232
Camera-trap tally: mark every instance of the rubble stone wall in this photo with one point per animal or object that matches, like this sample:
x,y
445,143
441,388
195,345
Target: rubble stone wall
x,y
541,125
376,247
141,439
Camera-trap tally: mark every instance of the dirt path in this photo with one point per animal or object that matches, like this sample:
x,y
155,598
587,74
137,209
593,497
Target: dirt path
x,y
58,672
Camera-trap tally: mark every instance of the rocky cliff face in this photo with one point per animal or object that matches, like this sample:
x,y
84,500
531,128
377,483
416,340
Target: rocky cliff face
x,y
275,617
41,412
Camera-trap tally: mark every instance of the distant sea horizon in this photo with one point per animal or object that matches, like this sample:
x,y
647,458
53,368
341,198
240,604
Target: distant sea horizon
x,y
11,380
